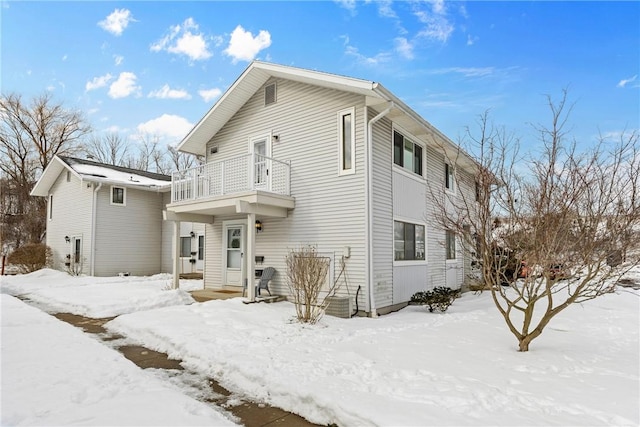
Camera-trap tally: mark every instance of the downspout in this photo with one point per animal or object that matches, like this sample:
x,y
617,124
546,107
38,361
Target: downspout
x,y
368,197
93,230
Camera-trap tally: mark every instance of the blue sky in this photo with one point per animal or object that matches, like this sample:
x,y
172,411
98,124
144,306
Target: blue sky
x,y
155,68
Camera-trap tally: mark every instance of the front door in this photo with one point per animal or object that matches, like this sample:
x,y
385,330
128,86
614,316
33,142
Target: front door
x,y
233,254
261,163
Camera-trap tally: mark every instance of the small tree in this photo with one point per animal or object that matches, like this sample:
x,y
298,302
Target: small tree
x,y
31,257
306,274
567,213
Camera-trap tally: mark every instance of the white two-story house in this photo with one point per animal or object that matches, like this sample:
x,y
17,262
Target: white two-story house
x,y
296,157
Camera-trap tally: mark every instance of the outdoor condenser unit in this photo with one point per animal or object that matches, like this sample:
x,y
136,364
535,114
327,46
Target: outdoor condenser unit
x,y
339,307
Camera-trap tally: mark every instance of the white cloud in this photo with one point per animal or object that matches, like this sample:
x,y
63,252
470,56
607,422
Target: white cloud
x,y
64,58
466,71
350,5
376,60
404,47
165,92
167,125
98,82
244,47
124,86
209,94
436,25
118,59
185,40
471,40
385,9
117,21
625,82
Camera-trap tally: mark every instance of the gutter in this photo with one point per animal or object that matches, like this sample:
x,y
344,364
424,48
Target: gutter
x,y
368,197
93,230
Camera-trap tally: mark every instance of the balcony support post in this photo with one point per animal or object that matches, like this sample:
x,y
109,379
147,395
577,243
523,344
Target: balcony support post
x,y
250,259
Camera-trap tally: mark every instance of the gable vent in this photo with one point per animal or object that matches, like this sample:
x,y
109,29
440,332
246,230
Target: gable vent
x,y
270,94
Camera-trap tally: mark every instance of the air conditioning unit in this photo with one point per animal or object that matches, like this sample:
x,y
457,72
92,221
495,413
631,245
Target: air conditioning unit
x,y
339,307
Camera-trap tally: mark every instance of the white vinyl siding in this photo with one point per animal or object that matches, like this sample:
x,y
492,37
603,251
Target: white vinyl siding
x,y
329,210
382,206
72,217
129,240
346,141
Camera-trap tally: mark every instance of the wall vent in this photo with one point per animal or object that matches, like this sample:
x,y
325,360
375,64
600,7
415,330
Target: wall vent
x,y
270,94
339,307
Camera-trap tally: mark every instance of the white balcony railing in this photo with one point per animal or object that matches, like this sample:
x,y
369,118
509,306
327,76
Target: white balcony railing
x,y
244,173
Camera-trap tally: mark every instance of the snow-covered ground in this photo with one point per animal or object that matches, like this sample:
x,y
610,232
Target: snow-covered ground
x,y
407,368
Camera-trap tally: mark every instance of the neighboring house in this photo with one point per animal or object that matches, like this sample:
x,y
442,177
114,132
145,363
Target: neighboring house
x,y
103,220
332,161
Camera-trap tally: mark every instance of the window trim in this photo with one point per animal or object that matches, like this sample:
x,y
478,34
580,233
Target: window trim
x,y
124,195
415,261
341,142
182,246
450,184
450,236
416,143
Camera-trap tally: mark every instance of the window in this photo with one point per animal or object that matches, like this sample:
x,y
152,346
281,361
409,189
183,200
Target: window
x,y
200,248
77,250
407,154
346,132
450,244
408,241
118,196
477,191
68,176
449,181
50,206
185,247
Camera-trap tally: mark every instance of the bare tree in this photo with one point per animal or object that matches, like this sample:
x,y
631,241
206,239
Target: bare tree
x,y
551,229
111,149
30,135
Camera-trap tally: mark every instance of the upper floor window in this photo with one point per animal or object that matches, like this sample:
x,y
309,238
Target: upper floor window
x,y
449,177
118,196
408,241
406,153
50,206
347,140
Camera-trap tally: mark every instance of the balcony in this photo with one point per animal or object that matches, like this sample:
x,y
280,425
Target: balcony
x,y
226,186
249,172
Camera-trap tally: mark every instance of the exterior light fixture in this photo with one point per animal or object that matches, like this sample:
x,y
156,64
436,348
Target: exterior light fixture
x,y
67,239
192,234
258,226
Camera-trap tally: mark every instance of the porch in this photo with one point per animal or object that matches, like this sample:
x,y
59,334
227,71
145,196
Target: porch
x,y
240,190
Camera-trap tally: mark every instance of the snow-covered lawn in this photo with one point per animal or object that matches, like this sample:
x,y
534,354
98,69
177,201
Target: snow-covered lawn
x,y
407,368
54,374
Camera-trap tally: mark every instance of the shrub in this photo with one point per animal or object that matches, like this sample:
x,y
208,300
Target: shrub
x,y
31,257
439,298
306,274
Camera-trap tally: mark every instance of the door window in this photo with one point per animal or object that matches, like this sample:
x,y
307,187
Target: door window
x,y
234,247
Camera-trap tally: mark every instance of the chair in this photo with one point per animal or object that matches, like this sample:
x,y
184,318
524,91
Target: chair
x,y
263,282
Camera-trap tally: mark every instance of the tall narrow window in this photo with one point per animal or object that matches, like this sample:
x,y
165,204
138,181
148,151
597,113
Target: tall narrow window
x,y
50,206
200,248
407,154
449,177
450,244
118,196
408,241
346,132
77,250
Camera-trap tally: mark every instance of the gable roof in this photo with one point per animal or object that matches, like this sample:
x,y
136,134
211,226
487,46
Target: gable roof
x,y
258,73
88,170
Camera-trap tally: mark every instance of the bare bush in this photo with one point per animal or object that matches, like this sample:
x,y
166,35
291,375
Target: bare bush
x,y
306,274
551,229
31,257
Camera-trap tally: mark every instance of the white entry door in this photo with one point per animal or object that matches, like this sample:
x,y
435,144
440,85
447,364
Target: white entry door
x,y
260,149
233,254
